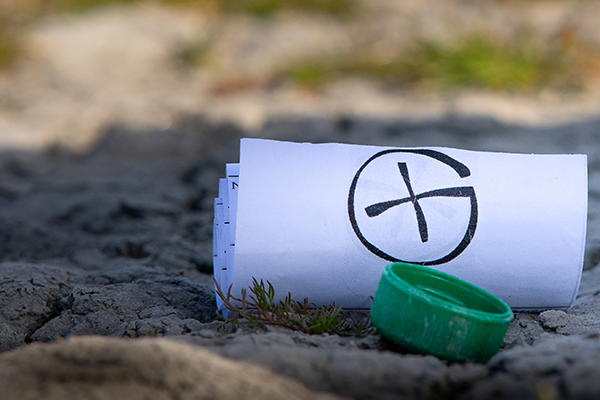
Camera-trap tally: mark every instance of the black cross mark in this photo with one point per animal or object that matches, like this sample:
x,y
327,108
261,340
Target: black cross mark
x,y
374,210
378,208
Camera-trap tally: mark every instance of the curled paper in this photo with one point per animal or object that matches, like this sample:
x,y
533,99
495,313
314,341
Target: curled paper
x,y
321,221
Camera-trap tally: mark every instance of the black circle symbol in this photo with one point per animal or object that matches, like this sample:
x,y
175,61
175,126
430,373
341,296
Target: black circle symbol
x,y
376,209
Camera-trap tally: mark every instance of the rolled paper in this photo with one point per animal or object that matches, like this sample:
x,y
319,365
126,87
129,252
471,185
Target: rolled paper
x,y
321,221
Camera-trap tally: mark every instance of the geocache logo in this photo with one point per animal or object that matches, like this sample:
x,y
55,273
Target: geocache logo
x,y
398,215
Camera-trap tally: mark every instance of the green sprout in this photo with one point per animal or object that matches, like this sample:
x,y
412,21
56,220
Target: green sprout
x,y
153,333
261,308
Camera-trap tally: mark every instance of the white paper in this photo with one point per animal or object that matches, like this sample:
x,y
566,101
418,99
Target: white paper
x,y
322,220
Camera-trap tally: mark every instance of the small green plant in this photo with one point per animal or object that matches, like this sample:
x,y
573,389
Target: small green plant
x,y
260,308
153,333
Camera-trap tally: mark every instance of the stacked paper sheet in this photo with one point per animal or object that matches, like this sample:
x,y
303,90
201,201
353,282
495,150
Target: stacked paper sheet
x,y
322,220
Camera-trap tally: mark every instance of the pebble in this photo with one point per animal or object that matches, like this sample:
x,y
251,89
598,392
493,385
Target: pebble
x,y
553,319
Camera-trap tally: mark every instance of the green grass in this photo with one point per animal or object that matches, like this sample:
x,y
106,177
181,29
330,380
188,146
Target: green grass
x,y
256,7
476,62
480,62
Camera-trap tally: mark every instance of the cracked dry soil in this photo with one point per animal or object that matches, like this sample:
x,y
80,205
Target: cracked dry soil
x,y
118,242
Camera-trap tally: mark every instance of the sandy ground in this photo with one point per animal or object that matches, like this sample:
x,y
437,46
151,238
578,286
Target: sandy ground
x,y
111,151
84,72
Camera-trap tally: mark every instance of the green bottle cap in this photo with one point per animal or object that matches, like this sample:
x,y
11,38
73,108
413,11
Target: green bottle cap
x,y
431,312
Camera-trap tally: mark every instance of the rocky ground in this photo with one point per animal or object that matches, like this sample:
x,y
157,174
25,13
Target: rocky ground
x,y
117,242
108,171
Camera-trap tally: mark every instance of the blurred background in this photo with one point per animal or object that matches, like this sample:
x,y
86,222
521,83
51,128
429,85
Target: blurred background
x,y
69,69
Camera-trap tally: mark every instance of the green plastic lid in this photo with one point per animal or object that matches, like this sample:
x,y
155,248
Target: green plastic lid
x,y
431,312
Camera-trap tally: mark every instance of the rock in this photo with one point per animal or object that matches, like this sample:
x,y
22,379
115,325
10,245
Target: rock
x,y
10,339
30,297
553,319
523,329
559,365
103,368
165,305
